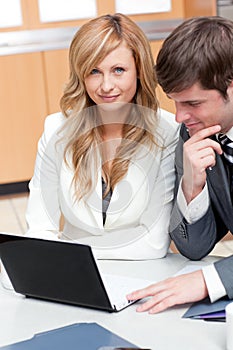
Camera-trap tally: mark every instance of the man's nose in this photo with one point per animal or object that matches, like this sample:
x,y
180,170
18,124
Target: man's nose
x,y
182,113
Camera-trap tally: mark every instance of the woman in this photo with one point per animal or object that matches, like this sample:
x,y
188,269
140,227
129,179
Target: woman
x,y
105,163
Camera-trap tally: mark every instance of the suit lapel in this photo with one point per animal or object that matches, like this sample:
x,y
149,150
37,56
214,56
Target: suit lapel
x,y
88,211
219,189
132,193
94,203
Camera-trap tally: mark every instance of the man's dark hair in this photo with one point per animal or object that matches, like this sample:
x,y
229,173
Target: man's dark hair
x,y
199,50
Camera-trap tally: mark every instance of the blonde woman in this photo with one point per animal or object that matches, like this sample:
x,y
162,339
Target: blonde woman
x,y
105,163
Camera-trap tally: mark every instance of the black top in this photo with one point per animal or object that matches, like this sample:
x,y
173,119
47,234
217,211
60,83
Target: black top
x,y
106,200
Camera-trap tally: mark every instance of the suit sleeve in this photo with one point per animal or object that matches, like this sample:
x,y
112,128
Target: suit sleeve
x,y
224,268
197,239
43,210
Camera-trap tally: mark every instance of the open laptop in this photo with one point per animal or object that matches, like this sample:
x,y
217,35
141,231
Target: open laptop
x,y
63,272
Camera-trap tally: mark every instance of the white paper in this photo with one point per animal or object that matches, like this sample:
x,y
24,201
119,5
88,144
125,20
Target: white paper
x,y
5,280
142,6
10,13
229,326
66,10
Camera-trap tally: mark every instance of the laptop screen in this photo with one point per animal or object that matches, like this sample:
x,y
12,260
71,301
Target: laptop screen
x,y
53,270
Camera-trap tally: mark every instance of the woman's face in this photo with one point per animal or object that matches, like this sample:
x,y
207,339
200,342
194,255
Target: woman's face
x,y
114,79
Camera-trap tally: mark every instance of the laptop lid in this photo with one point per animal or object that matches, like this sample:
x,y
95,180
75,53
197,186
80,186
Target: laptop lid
x,y
54,270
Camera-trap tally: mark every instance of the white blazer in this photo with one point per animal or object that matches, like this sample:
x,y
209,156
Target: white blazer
x,y
137,220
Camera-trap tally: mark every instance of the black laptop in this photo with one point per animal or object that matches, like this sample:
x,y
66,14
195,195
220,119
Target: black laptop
x,y
63,272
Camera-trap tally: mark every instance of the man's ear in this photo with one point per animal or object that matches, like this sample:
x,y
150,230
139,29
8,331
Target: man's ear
x,y
230,90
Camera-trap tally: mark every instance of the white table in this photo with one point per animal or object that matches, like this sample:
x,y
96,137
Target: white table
x,y
21,318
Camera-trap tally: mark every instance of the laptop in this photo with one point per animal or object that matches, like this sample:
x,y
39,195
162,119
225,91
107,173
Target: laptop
x,y
63,272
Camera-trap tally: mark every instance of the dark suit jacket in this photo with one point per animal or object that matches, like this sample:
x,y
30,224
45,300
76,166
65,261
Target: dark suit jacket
x,y
196,240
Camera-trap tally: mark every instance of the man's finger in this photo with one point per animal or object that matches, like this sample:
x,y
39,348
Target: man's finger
x,y
207,132
142,293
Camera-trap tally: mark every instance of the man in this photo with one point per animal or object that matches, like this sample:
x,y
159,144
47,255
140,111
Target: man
x,y
195,69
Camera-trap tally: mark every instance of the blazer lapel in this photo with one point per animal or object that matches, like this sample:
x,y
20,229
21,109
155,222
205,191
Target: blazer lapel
x,y
88,211
132,193
219,189
94,203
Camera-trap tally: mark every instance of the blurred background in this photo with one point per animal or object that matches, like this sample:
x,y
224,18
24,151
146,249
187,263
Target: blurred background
x,y
34,41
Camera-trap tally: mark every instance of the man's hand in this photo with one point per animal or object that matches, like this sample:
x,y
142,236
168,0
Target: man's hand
x,y
181,289
199,154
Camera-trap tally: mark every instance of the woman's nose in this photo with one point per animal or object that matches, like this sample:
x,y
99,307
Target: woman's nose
x,y
107,83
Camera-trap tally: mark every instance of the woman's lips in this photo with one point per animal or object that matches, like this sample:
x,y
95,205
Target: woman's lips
x,y
109,98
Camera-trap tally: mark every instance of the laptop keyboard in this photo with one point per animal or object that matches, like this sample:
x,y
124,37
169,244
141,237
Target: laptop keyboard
x,y
118,287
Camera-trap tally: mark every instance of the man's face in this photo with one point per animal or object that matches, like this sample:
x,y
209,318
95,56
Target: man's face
x,y
198,108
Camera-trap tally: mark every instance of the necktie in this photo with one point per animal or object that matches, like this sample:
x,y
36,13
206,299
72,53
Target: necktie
x,y
227,147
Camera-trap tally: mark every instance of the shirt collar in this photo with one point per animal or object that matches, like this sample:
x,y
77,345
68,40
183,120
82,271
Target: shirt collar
x,y
229,134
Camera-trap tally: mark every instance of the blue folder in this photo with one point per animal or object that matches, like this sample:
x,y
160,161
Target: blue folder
x,y
206,310
80,336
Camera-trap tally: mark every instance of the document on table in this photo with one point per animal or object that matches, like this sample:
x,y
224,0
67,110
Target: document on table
x,y
204,309
87,336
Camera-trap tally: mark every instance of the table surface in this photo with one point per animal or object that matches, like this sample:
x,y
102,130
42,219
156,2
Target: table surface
x,y
21,318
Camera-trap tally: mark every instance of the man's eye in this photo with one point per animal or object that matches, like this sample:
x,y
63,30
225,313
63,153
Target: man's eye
x,y
194,104
94,71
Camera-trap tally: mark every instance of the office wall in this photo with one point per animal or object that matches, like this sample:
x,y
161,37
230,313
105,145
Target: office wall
x,y
32,83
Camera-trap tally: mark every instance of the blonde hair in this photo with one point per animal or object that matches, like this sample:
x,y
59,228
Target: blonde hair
x,y
90,45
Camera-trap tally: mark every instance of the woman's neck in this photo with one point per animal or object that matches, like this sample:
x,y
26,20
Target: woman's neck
x,y
112,132
113,117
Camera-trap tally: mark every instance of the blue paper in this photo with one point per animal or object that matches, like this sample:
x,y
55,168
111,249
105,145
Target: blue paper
x,y
218,314
201,309
80,336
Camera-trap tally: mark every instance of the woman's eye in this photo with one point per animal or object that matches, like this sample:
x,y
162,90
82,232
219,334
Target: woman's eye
x,y
94,71
119,70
